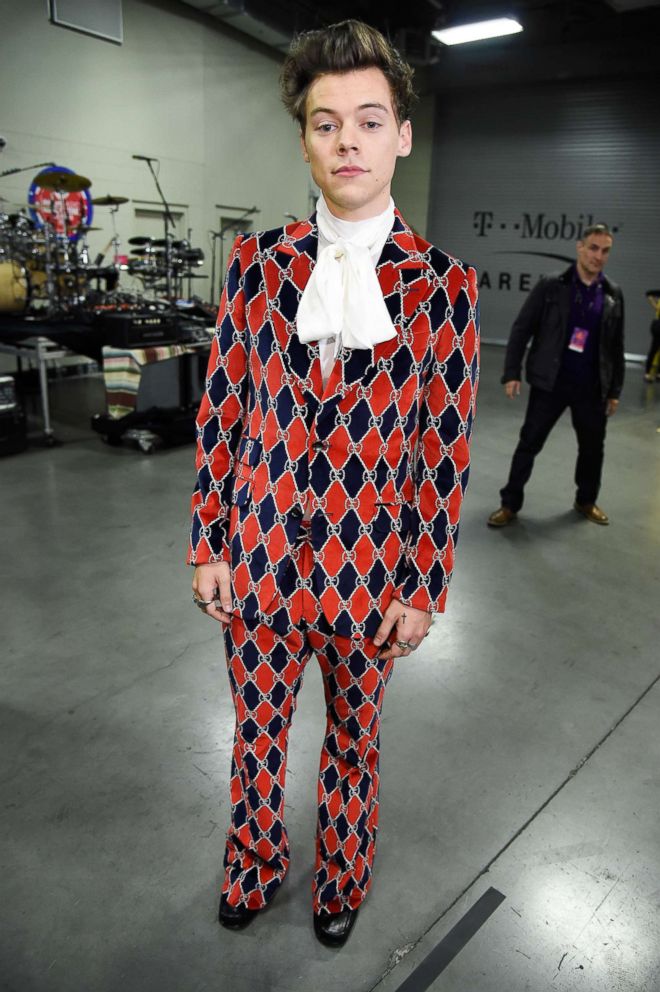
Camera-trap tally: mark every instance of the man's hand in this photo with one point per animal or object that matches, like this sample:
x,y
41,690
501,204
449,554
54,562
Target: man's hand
x,y
412,626
512,388
611,408
212,584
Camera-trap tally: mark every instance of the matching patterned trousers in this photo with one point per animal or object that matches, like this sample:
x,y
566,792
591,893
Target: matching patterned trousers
x,y
266,663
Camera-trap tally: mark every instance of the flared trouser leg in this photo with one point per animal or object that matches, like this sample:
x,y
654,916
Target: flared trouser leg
x,y
265,674
354,680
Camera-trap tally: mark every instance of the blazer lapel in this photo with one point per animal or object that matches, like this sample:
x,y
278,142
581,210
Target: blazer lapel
x,y
295,255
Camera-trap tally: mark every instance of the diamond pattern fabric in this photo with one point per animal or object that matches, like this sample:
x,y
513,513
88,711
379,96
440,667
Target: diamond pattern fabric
x,y
380,458
327,503
266,662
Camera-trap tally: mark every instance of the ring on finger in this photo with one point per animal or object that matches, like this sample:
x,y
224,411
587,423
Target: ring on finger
x,y
404,644
202,603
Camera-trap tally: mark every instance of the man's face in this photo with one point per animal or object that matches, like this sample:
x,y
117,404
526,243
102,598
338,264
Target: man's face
x,y
592,254
352,141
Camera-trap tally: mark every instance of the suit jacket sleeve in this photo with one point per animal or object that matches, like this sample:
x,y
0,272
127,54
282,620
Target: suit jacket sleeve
x,y
443,453
219,422
524,326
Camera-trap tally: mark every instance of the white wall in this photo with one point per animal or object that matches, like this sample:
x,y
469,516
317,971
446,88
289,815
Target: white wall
x,y
195,95
412,181
201,98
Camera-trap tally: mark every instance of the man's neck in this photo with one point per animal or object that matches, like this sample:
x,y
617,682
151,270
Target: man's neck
x,y
356,215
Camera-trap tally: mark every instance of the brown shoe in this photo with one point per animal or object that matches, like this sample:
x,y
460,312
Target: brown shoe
x,y
501,517
593,513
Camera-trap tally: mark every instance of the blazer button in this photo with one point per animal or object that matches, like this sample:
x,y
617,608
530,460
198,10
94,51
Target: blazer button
x,y
320,446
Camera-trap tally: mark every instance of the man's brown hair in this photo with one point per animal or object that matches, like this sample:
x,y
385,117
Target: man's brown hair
x,y
343,47
596,229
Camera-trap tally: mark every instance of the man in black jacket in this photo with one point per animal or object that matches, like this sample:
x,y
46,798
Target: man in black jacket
x,y
575,322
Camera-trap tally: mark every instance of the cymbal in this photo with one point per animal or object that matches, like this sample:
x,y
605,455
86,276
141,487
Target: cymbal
x,y
62,182
147,251
139,240
109,201
176,245
18,218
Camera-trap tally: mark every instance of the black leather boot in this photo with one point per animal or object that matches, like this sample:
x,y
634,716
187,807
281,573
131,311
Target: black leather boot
x,y
235,917
334,929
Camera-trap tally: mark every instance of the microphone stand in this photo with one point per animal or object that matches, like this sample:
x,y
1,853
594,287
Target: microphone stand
x,y
25,168
221,235
169,220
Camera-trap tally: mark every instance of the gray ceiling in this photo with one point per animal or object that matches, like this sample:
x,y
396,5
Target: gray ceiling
x,y
561,39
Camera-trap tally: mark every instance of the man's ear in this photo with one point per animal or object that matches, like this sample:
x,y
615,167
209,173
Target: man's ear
x,y
303,146
405,140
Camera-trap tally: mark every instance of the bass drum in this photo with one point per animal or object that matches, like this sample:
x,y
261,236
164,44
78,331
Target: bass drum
x,y
14,292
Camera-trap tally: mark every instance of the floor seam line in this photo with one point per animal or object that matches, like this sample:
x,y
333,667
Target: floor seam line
x,y
571,775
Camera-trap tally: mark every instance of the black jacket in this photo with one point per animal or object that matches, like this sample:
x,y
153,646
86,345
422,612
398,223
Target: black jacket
x,y
545,317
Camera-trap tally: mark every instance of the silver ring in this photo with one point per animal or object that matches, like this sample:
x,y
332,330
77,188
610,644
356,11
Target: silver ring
x,y
404,644
202,603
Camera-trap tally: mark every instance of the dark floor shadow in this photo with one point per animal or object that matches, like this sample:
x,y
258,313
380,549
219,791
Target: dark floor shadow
x,y
525,529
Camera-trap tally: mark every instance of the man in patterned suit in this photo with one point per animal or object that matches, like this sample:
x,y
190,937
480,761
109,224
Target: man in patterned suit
x,y
333,453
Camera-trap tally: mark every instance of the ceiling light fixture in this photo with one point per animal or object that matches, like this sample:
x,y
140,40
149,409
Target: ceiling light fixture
x,y
477,31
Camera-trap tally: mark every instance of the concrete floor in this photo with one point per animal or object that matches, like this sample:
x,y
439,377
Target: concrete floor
x,y
520,747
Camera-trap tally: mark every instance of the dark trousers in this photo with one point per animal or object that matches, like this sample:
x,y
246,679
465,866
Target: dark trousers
x,y
543,411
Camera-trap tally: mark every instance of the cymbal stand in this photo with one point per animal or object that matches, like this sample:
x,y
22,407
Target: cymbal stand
x,y
50,232
189,240
169,221
170,290
81,258
60,265
27,168
64,256
115,241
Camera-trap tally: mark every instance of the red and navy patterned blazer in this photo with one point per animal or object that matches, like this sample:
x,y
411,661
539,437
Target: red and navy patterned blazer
x,y
380,456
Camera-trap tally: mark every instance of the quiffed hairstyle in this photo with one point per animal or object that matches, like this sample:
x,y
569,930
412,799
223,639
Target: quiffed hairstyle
x,y
343,47
596,229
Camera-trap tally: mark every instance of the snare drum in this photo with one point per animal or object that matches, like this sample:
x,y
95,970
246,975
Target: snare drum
x,y
13,287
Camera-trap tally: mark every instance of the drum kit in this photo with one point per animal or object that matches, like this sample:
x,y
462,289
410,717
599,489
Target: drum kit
x,y
45,264
152,258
